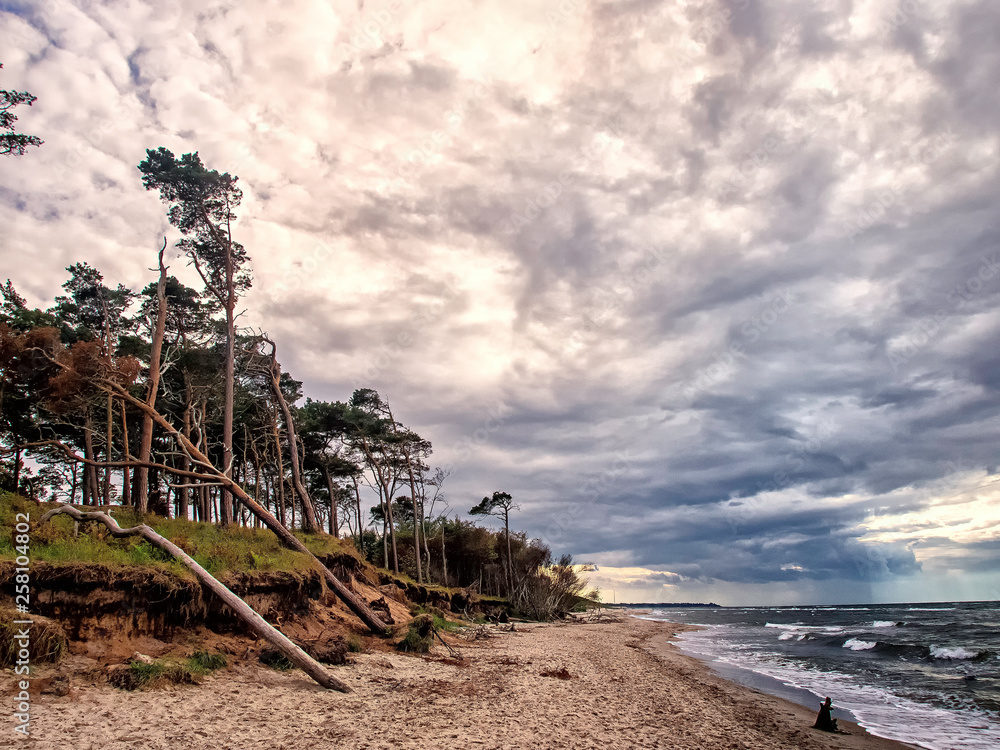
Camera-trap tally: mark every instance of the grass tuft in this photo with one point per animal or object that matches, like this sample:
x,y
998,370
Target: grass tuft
x,y
202,662
46,639
138,675
438,617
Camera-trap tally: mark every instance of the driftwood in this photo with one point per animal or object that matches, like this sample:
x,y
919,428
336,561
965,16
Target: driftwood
x,y
253,620
455,654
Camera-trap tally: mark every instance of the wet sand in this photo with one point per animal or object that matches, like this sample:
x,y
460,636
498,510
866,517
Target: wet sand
x,y
608,685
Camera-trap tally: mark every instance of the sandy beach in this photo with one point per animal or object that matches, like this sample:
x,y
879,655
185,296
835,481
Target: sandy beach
x,y
576,685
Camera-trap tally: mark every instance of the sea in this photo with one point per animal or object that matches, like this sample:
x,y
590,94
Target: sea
x,y
924,673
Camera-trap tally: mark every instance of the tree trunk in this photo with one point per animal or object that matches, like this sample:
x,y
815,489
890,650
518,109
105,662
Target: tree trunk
x,y
386,497
361,528
225,499
392,537
17,467
334,520
152,386
444,560
385,538
182,492
206,504
280,482
423,535
510,565
108,434
298,485
416,518
252,619
126,480
89,472
280,479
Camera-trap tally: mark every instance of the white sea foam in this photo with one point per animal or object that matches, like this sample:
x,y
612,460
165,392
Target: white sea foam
x,y
795,633
800,626
856,644
883,624
929,609
845,609
952,653
878,710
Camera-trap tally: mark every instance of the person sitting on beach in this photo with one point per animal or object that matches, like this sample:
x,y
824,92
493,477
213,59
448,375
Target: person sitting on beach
x,y
825,721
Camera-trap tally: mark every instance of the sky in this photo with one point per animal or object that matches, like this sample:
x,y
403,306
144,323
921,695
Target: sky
x,y
709,287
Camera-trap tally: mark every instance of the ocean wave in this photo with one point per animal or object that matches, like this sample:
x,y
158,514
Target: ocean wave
x,y
911,650
856,644
930,609
957,653
799,626
885,624
790,634
845,609
935,710
884,712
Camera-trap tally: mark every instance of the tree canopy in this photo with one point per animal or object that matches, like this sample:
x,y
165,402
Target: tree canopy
x,y
11,142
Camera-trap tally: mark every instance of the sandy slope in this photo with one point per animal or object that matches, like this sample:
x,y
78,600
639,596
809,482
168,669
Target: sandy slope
x,y
619,695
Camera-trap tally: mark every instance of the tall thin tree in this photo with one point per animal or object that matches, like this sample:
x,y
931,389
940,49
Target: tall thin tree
x,y
202,206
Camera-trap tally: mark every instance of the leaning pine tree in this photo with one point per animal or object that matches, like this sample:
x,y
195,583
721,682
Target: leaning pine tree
x,y
202,204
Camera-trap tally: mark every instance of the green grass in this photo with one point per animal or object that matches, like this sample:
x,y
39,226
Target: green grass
x,y
145,674
140,675
217,550
47,639
414,643
439,617
202,662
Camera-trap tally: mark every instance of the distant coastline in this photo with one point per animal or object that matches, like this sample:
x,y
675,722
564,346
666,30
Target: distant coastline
x,y
662,605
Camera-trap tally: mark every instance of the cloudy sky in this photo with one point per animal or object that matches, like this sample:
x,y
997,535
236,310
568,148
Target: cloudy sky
x,y
710,287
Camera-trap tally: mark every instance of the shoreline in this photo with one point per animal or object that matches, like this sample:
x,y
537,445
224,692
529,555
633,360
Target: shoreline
x,y
618,684
792,712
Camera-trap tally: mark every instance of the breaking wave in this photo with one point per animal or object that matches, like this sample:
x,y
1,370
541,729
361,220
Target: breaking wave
x,y
856,644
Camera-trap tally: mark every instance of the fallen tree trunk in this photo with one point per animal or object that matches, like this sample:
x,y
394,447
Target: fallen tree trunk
x,y
253,620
